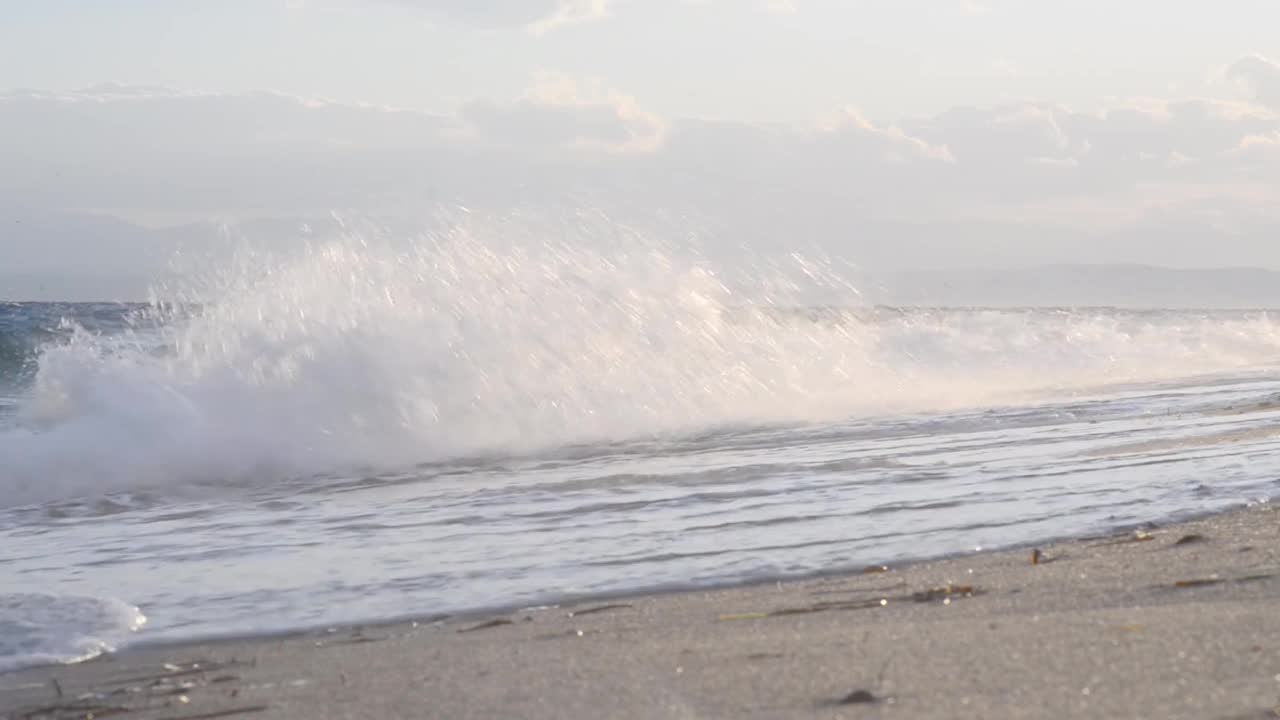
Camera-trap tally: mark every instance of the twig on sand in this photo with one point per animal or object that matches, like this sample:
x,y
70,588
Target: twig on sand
x,y
194,668
1198,582
1206,582
1137,536
222,713
496,622
945,593
354,640
599,609
78,709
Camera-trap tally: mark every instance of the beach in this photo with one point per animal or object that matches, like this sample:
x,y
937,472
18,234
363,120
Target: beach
x,y
578,359
1180,621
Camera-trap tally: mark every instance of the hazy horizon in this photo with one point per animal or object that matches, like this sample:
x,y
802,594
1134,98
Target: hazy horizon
x,y
943,135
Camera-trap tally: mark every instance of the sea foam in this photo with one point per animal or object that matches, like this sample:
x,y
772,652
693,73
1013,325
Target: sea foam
x,y
365,352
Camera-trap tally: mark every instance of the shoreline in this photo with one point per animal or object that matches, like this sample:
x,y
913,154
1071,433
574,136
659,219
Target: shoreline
x,y
673,589
1176,621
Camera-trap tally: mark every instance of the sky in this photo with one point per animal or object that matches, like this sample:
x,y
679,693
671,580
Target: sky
x,y
897,133
753,60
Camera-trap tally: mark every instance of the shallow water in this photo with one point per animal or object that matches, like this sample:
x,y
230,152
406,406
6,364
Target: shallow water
x,y
723,507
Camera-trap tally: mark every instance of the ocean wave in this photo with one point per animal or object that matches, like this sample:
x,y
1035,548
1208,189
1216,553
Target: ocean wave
x,y
359,353
43,629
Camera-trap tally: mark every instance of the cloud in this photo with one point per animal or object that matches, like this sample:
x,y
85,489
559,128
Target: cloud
x,y
485,13
1009,153
145,151
568,12
1195,128
850,135
116,119
1260,74
539,16
152,149
558,112
980,177
113,120
536,16
1263,143
1036,150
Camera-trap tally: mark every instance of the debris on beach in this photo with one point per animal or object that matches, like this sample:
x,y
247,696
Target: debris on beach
x,y
599,609
357,637
858,697
496,622
229,712
1137,536
1198,582
1189,539
945,593
560,634
1215,580
863,696
173,686
873,569
1035,557
190,668
743,616
74,709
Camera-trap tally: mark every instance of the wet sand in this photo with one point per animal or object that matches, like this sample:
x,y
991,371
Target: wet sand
x,y
1174,622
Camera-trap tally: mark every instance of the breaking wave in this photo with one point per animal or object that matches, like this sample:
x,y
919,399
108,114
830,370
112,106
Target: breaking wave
x,y
365,353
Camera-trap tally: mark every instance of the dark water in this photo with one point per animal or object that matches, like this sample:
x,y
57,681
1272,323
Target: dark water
x,y
27,327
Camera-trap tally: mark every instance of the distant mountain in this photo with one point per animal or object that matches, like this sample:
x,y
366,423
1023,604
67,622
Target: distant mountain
x,y
1134,286
81,256
84,256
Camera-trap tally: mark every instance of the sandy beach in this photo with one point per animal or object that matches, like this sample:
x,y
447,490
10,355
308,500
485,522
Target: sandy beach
x,y
1180,621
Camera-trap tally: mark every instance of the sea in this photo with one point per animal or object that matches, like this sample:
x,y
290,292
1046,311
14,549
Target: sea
x,y
358,433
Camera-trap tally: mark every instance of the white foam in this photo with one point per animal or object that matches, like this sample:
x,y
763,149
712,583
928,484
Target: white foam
x,y
489,338
42,629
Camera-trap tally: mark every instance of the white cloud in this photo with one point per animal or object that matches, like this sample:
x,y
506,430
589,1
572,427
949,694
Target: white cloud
x,y
536,16
850,131
1261,74
1267,142
116,119
1014,150
887,190
568,12
1024,150
559,112
1009,134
